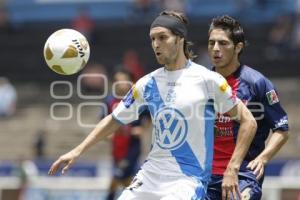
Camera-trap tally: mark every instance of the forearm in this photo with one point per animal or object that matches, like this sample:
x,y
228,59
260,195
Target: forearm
x,y
246,134
103,129
277,140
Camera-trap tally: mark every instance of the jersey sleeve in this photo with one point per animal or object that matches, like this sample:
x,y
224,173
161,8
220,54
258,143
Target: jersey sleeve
x,y
129,109
273,111
223,97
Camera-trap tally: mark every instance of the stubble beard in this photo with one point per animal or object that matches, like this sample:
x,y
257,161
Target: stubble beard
x,y
162,60
220,66
223,64
159,60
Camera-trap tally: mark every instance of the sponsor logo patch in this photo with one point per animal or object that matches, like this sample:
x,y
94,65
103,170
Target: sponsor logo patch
x,y
224,86
170,128
135,92
272,97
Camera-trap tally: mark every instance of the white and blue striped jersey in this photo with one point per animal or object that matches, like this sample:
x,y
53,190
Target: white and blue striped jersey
x,y
182,104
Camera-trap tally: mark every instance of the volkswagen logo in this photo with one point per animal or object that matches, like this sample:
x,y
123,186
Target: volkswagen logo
x,y
170,128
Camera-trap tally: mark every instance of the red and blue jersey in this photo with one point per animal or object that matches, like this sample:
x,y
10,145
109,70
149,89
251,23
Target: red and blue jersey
x,y
260,96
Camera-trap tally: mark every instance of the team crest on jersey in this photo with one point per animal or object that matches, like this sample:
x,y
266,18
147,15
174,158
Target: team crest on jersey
x,y
224,86
170,128
171,96
272,97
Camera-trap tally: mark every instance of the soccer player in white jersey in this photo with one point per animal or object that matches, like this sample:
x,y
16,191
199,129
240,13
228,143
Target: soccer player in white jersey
x,y
182,98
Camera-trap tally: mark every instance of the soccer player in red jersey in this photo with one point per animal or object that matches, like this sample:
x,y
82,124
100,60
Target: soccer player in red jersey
x,y
225,44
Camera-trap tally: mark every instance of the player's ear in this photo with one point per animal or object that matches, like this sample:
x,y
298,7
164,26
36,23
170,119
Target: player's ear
x,y
238,47
180,39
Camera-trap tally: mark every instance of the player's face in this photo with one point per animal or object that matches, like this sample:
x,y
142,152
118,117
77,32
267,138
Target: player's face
x,y
221,49
165,45
123,83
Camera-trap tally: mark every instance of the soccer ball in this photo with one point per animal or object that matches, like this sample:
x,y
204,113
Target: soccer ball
x,y
66,51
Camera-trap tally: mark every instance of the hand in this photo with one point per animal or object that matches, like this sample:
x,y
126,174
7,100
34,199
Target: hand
x,y
257,166
67,159
230,185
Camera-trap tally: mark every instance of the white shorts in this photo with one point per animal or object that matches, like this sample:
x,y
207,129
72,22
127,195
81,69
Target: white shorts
x,y
153,186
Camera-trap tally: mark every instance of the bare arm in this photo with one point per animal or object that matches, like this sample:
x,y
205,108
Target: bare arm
x,y
277,140
246,133
104,128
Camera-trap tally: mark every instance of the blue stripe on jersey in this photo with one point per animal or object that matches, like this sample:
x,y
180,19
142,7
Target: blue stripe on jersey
x,y
209,116
187,160
152,97
200,191
184,155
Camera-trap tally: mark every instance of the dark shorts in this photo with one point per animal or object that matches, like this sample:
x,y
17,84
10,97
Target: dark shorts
x,y
250,188
122,173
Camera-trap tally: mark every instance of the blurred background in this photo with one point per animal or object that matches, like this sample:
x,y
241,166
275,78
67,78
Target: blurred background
x,y
43,114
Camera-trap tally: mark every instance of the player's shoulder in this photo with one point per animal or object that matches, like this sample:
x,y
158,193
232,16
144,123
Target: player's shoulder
x,y
146,78
206,73
197,67
156,72
252,76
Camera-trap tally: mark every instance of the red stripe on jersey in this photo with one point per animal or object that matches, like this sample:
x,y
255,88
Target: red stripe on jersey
x,y
224,143
234,84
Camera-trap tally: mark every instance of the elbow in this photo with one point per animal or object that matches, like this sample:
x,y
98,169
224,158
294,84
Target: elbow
x,y
253,125
286,137
282,136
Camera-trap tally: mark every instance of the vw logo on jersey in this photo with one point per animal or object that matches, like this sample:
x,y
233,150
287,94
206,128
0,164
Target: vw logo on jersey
x,y
170,128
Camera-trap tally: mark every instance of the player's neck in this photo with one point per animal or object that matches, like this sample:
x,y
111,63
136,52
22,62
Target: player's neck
x,y
179,63
229,69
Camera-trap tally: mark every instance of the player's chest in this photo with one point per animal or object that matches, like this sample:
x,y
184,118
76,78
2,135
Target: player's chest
x,y
183,92
241,89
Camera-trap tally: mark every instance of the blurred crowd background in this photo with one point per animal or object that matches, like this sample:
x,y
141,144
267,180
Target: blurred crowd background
x,y
43,114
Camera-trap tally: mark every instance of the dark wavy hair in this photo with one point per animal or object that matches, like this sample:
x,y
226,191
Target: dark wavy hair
x,y
230,25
